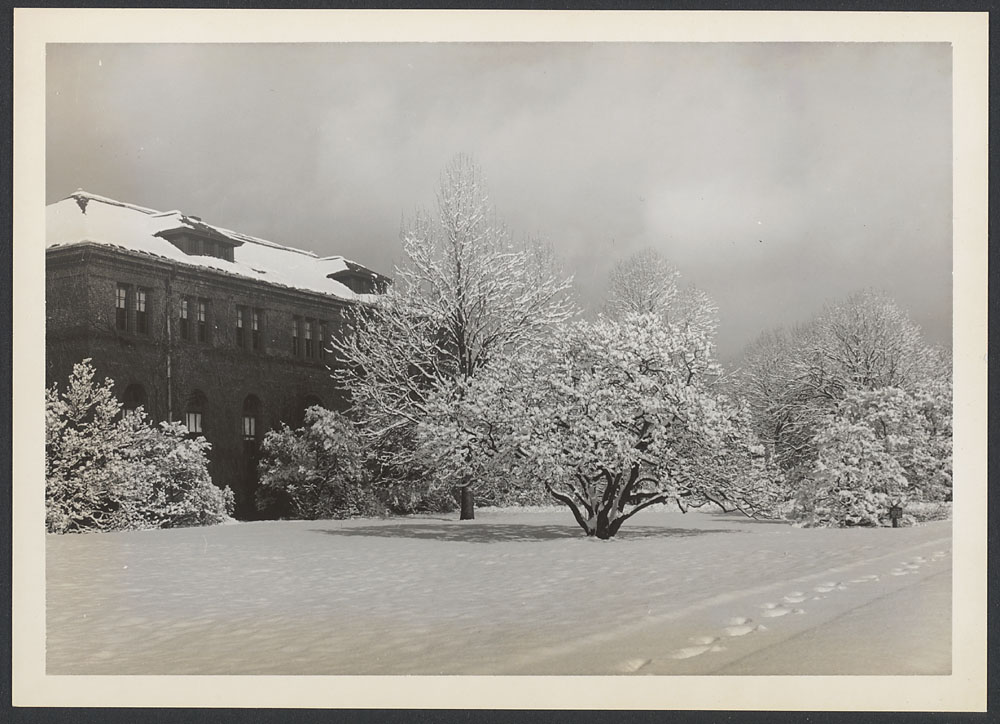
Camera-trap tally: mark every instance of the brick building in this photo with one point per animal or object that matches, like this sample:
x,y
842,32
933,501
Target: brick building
x,y
196,323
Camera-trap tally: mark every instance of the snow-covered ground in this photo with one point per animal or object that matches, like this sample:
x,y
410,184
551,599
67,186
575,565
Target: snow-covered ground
x,y
513,592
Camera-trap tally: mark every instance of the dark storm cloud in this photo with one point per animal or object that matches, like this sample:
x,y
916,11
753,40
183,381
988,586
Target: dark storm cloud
x,y
775,176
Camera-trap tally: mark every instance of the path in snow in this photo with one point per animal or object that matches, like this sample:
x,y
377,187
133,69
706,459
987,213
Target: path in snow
x,y
514,592
865,624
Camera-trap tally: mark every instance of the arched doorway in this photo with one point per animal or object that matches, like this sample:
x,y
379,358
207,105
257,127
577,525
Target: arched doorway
x,y
252,434
134,397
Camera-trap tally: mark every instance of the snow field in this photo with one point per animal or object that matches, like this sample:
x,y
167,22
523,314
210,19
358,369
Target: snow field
x,y
512,592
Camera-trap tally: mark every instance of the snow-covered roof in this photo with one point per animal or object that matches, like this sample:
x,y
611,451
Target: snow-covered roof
x,y
85,217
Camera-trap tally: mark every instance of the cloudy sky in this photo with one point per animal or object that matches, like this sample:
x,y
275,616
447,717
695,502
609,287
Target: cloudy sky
x,y
777,177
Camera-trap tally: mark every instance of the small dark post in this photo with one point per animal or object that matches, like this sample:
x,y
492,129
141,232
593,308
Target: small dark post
x,y
895,513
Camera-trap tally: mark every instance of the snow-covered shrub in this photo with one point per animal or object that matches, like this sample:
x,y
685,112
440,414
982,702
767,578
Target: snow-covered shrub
x,y
176,487
316,471
855,479
110,469
922,511
609,418
879,448
501,491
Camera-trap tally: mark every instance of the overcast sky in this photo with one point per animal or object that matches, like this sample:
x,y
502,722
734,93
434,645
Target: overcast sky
x,y
776,177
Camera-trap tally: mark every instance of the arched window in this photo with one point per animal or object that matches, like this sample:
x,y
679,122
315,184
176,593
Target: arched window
x,y
194,414
134,397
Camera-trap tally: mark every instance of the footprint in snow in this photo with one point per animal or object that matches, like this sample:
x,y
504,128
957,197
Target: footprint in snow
x,y
795,597
864,579
898,572
689,651
737,621
776,611
632,665
742,629
704,640
831,586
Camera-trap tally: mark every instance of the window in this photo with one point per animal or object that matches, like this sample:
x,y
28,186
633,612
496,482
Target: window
x,y
251,431
296,325
141,315
241,313
193,422
202,320
322,340
185,319
310,343
194,414
251,411
121,308
201,242
255,330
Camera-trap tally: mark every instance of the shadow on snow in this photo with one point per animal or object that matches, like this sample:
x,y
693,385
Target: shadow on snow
x,y
472,532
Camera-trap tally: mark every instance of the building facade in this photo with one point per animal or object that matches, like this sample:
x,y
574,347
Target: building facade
x,y
224,332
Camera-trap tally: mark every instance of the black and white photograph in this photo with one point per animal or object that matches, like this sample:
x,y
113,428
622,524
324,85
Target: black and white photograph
x,y
640,360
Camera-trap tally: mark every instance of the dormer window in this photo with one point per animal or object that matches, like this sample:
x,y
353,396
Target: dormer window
x,y
197,239
360,280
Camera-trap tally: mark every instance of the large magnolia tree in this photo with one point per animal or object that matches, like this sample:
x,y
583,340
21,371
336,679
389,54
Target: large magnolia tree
x,y
466,293
611,417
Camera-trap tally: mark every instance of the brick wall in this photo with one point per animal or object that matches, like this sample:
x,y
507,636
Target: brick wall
x,y
81,284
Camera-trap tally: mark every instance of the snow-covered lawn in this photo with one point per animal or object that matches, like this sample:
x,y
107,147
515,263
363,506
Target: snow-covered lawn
x,y
518,592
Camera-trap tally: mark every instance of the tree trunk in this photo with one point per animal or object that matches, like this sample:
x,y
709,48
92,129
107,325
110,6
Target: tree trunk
x,y
468,503
606,528
603,528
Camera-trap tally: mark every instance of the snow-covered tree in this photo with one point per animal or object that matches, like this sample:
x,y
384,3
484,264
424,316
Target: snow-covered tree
x,y
317,470
646,283
109,469
643,283
467,293
802,384
786,407
610,417
879,448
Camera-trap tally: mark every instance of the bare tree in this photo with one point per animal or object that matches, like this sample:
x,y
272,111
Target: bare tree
x,y
467,292
646,283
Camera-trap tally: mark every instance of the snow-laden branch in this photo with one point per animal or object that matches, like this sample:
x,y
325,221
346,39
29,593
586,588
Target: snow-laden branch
x,y
466,294
610,417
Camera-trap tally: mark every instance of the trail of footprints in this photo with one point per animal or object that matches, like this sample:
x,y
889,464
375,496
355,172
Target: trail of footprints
x,y
742,626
